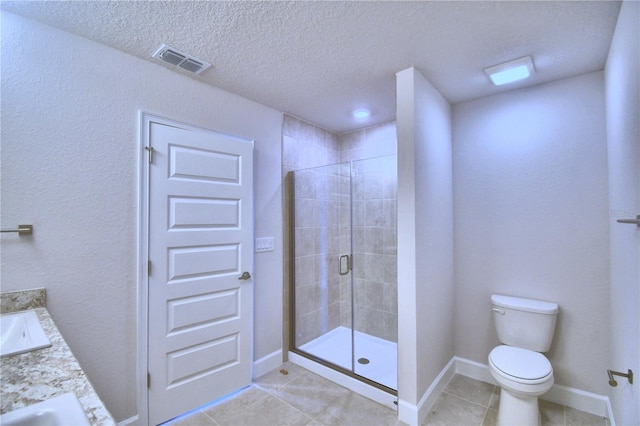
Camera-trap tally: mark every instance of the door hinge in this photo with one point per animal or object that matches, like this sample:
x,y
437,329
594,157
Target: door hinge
x,y
150,151
148,267
148,379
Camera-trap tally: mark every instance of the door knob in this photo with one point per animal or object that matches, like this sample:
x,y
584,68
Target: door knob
x,y
245,276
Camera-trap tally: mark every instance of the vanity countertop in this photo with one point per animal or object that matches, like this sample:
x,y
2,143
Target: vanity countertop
x,y
36,376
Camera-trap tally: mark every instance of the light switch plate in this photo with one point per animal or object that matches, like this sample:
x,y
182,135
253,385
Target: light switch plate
x,y
264,244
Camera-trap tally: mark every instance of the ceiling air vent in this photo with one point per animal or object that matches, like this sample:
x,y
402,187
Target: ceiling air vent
x,y
180,59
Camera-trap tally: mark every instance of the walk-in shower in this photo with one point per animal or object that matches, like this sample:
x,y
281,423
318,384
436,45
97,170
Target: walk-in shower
x,y
343,268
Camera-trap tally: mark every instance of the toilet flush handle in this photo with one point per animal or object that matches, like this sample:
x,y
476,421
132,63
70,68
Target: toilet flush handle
x,y
499,311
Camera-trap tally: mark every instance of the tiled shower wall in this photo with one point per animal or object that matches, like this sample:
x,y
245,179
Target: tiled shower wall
x,y
322,235
306,146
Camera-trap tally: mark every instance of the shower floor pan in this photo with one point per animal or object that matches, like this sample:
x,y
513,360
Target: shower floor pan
x,y
335,347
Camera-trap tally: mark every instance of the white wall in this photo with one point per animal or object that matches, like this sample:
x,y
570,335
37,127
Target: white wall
x,y
425,238
622,81
69,167
530,197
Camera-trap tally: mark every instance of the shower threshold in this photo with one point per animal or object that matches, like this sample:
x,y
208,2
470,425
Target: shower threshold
x,y
335,347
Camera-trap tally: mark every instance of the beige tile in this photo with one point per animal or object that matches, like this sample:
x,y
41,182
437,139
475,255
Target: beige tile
x,y
196,419
267,411
390,241
310,394
390,322
327,419
581,418
239,403
451,410
279,377
390,266
353,409
303,398
391,298
490,418
470,389
551,414
494,404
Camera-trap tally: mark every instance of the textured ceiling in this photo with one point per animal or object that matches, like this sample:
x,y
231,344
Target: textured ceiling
x,y
320,60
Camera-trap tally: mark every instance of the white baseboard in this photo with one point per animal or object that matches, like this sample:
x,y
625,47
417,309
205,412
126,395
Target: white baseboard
x,y
612,421
563,395
579,399
474,370
129,421
267,363
415,414
408,413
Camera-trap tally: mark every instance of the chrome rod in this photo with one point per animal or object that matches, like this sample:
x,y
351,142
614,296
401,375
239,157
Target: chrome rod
x,y
21,230
635,221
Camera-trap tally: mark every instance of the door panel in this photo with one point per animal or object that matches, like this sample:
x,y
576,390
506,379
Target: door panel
x,y
196,213
200,243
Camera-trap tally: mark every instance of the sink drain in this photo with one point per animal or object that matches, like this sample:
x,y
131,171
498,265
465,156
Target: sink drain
x,y
363,361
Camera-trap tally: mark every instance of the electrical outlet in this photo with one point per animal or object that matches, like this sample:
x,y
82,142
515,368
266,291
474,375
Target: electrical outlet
x,y
264,244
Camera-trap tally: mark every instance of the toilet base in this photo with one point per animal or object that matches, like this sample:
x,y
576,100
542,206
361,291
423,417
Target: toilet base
x,y
518,410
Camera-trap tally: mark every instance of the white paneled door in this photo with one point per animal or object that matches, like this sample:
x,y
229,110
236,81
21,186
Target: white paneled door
x,y
200,264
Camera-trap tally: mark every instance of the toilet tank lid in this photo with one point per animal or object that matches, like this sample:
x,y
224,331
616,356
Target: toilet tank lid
x,y
528,305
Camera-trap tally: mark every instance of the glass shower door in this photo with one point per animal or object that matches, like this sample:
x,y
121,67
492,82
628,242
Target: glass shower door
x,y
375,296
322,258
344,256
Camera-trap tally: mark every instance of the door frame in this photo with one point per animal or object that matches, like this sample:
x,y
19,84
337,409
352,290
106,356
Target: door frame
x,y
145,120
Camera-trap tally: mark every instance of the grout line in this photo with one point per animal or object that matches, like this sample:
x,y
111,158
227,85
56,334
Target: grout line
x,y
214,422
466,400
272,393
486,411
208,416
269,393
222,403
297,409
322,413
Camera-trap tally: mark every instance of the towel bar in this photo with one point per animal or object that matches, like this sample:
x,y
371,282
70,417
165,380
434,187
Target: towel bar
x,y
635,221
21,230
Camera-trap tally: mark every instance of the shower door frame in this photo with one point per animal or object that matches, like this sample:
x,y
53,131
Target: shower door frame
x,y
290,187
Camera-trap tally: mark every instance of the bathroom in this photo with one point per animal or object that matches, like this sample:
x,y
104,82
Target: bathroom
x,y
529,218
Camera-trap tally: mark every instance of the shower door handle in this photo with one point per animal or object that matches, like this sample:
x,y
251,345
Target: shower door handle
x,y
346,263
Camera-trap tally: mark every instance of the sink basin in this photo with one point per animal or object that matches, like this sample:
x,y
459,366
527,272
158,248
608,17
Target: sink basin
x,y
63,410
21,332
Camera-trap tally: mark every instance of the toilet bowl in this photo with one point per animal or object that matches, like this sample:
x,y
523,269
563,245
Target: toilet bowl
x,y
522,375
521,371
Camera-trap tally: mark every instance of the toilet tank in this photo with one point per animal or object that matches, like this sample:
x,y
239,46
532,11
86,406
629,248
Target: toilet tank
x,y
524,323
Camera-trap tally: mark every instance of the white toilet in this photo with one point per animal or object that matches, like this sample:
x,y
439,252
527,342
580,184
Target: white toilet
x,y
526,328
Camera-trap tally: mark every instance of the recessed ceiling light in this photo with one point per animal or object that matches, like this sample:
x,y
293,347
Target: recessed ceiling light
x,y
361,113
510,71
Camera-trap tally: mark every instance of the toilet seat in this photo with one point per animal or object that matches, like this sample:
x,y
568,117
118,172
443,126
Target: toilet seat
x,y
520,365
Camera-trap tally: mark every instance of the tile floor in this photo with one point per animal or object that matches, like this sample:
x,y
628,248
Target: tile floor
x,y
304,398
